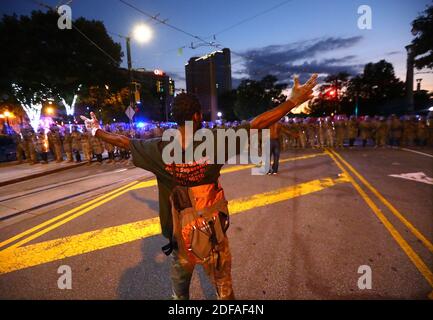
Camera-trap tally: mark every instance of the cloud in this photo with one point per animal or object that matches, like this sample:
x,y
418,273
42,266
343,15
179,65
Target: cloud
x,y
302,58
392,53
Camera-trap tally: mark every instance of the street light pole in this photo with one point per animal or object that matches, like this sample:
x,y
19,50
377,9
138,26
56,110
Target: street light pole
x,y
131,86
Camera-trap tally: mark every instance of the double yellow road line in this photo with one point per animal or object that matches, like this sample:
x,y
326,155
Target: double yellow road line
x,y
408,250
63,218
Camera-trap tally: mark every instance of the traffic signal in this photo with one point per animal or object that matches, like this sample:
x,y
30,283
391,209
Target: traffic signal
x,y
159,86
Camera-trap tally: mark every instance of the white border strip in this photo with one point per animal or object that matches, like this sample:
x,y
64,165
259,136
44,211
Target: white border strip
x,y
419,152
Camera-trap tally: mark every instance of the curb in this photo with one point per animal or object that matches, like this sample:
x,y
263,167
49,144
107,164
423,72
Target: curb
x,y
40,174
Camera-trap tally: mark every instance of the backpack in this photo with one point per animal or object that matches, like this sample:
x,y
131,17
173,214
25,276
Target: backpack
x,y
200,220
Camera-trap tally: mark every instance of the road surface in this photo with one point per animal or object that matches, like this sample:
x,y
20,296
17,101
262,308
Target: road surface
x,y
305,233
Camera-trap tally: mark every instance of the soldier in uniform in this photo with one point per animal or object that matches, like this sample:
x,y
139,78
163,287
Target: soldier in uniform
x,y
109,147
429,124
365,130
352,130
19,143
302,133
381,132
421,132
321,132
329,132
41,142
29,137
409,131
395,131
76,143
55,142
86,146
67,145
311,132
97,147
340,131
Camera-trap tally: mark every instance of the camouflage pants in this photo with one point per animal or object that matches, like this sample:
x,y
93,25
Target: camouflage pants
x,y
218,269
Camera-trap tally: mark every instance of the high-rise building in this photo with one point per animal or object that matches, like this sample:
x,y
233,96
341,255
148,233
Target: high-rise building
x,y
207,77
155,93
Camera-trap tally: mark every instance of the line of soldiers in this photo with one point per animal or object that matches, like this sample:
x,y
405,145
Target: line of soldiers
x,y
377,131
63,144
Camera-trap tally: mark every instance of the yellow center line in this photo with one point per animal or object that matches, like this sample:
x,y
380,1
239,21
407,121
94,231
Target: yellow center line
x,y
57,249
416,260
394,211
100,200
63,215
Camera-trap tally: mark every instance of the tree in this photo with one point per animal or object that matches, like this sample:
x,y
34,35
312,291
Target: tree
x,y
226,104
43,61
376,88
422,28
255,97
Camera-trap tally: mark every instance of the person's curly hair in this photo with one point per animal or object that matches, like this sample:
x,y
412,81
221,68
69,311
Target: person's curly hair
x,y
184,107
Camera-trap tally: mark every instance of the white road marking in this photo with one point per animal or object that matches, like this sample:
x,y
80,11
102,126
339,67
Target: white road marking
x,y
418,152
415,176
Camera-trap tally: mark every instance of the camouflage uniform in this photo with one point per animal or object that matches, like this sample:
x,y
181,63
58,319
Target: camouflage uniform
x,y
329,130
321,132
421,132
97,147
67,145
340,132
311,133
76,143
409,132
42,145
395,131
429,124
86,146
352,130
55,143
30,139
302,134
365,129
381,132
20,149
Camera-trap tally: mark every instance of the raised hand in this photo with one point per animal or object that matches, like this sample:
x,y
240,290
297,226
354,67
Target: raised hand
x,y
91,124
300,94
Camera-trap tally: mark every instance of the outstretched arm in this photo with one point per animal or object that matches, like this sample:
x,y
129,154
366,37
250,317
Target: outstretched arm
x,y
299,95
112,138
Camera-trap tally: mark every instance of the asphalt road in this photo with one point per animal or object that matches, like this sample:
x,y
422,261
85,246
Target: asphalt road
x,y
302,234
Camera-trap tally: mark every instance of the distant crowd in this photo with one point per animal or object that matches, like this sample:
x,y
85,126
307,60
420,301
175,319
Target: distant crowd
x,y
74,143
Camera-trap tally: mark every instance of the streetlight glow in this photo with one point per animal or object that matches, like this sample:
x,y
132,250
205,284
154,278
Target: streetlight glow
x,y
142,33
50,110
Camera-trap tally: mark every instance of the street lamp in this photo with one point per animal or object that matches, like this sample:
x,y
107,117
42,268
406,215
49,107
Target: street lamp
x,y
50,111
141,33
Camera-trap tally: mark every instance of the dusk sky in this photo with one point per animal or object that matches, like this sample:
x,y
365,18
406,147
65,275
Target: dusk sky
x,y
296,37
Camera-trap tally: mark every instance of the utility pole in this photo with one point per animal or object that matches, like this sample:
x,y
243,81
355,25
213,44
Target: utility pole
x,y
131,85
409,78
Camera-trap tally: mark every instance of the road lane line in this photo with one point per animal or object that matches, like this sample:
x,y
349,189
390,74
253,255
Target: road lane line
x,y
413,256
418,152
394,211
249,166
63,215
57,249
144,184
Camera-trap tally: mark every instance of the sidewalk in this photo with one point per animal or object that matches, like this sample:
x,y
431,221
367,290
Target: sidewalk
x,y
14,172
